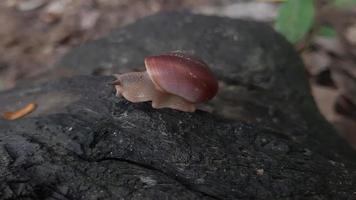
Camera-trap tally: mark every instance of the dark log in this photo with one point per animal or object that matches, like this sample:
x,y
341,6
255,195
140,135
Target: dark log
x,y
263,140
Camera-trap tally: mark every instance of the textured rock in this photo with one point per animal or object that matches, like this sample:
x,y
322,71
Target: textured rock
x,y
100,146
264,139
262,78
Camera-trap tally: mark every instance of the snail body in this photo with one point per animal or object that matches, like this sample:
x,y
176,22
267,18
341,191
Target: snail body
x,y
174,80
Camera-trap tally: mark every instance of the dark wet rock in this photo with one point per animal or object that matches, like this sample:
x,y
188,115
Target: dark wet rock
x,y
101,146
261,76
263,140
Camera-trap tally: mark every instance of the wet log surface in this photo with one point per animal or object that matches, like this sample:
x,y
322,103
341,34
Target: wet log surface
x,y
264,138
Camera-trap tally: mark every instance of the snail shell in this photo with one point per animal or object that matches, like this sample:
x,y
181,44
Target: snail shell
x,y
182,75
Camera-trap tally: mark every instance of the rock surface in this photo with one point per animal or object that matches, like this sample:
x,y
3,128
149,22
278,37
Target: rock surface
x,y
264,139
96,146
261,76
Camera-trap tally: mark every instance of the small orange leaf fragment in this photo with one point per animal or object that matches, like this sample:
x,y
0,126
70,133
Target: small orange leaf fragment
x,y
20,113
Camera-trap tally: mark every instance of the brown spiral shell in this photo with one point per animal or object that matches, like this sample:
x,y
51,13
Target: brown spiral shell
x,y
182,75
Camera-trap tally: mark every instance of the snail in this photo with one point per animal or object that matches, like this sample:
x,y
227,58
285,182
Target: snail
x,y
173,80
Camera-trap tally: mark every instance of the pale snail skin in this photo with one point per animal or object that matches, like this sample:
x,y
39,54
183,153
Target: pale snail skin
x,y
176,72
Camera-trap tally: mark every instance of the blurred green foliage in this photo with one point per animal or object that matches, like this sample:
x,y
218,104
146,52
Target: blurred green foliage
x,y
296,18
327,31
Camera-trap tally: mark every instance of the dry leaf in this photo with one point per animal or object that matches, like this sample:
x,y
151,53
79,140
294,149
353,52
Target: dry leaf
x,y
20,113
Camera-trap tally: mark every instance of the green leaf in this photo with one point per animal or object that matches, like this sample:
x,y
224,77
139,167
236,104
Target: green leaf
x,y
295,18
344,3
327,31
